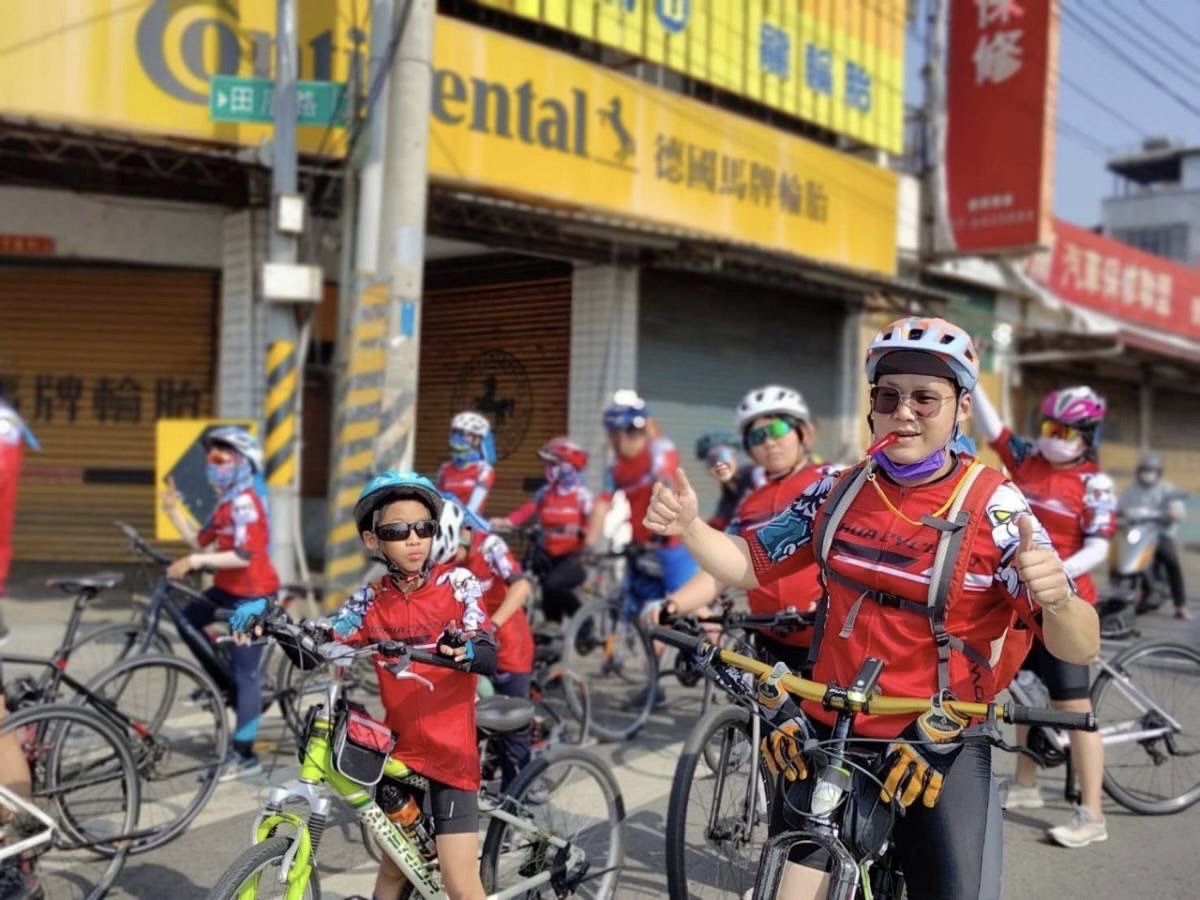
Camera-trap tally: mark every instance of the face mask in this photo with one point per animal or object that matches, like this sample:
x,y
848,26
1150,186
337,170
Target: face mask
x,y
225,476
1148,478
922,468
1057,450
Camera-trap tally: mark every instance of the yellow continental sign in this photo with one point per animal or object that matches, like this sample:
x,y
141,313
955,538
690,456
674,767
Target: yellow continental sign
x,y
838,63
180,459
145,66
513,117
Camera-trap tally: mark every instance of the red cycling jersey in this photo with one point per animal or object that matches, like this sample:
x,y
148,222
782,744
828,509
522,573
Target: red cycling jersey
x,y
562,514
878,573
635,476
1071,502
435,730
490,561
470,483
803,588
240,524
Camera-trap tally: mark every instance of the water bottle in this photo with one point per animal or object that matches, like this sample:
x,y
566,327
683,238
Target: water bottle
x,y
403,809
1033,689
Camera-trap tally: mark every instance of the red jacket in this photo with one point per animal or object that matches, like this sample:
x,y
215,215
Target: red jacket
x,y
1065,500
435,730
636,476
876,549
464,481
803,588
240,524
493,564
562,515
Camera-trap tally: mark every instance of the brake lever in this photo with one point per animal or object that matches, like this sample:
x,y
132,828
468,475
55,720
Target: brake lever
x,y
401,672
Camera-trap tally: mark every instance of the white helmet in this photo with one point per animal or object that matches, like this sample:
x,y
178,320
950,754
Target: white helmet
x,y
471,422
445,542
240,440
771,400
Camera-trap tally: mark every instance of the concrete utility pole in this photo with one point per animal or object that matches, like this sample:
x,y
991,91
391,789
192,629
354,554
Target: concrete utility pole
x,y
402,237
935,236
280,442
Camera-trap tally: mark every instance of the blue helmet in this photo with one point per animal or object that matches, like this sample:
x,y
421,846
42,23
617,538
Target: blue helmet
x,y
711,439
392,485
627,410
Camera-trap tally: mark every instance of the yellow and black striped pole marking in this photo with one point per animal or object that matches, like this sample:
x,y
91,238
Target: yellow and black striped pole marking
x,y
280,445
360,398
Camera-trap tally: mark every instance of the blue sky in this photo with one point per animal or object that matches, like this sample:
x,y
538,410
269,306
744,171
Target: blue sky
x,y
1086,132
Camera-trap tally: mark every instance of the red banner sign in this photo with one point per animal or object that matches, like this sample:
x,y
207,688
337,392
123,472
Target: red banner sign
x,y
999,153
1099,273
26,245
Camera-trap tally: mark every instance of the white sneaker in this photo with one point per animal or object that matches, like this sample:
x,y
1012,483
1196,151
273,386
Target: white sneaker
x,y
1018,797
1080,831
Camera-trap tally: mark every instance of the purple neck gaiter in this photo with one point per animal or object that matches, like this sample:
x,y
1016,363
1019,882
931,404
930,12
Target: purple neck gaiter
x,y
911,471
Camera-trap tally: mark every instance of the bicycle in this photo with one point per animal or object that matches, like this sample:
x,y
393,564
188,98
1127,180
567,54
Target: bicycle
x,y
85,800
732,824
606,644
844,815
1143,699
521,855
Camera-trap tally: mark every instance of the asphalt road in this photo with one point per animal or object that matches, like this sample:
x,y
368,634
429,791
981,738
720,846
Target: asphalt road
x,y
1144,856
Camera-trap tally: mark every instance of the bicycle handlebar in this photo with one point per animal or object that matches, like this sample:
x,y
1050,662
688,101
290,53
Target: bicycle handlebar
x,y
140,545
879,705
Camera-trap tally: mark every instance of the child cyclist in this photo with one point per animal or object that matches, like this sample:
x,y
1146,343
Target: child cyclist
x,y
464,539
397,515
563,508
245,581
469,474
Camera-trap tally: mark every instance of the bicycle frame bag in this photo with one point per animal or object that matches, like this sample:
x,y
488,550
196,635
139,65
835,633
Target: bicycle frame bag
x,y
361,745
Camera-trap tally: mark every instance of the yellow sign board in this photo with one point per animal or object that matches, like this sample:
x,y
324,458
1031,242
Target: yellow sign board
x,y
838,63
145,66
512,117
179,456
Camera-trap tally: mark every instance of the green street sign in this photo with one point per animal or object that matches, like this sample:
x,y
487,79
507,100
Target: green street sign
x,y
235,99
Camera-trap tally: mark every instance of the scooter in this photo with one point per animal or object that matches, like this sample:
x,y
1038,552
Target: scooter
x,y
1135,581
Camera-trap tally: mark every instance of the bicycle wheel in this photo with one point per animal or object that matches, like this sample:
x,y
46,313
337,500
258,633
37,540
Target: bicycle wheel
x,y
173,718
106,646
558,718
299,689
256,874
617,663
1155,690
585,810
84,777
716,818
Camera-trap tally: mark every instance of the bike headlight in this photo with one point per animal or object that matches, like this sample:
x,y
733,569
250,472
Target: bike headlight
x,y
825,797
1135,535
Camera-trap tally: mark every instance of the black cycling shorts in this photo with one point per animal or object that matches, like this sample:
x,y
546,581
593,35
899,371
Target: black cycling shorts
x,y
1063,680
951,852
453,810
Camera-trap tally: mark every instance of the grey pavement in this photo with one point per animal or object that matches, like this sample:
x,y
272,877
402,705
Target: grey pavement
x,y
1144,856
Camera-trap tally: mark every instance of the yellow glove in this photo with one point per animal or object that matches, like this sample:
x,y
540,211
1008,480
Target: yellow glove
x,y
917,762
782,750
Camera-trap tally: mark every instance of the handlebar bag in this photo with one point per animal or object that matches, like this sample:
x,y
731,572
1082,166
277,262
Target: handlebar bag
x,y
361,746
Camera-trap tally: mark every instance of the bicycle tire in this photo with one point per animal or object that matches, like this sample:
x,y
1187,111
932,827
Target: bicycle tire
x,y
81,818
156,699
299,689
123,638
525,798
252,862
1153,665
718,721
621,696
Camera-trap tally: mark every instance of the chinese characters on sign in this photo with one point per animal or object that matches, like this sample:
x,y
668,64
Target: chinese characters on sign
x,y
1000,126
26,244
700,168
1120,281
113,399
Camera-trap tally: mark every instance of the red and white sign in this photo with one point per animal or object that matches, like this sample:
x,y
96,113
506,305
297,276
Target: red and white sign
x,y
999,153
26,245
1098,273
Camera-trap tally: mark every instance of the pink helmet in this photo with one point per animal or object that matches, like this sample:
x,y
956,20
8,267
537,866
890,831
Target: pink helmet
x,y
1078,407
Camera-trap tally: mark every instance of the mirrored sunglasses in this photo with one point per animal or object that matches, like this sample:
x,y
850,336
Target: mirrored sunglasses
x,y
774,429
1052,429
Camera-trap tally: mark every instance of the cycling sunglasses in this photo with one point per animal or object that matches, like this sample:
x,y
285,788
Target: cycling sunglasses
x,y
399,531
1052,429
775,429
923,402
719,455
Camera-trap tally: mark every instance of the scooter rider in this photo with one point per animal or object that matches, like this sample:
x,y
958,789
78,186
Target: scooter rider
x,y
1150,491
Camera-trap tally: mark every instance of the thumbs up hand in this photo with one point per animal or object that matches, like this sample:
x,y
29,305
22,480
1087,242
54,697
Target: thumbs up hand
x,y
672,510
1040,569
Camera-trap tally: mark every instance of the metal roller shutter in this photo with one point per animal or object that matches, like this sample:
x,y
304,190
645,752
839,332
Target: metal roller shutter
x,y
496,337
703,343
93,357
1175,433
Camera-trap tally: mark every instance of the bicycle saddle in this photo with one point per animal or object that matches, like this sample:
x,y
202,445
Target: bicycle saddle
x,y
502,715
91,584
